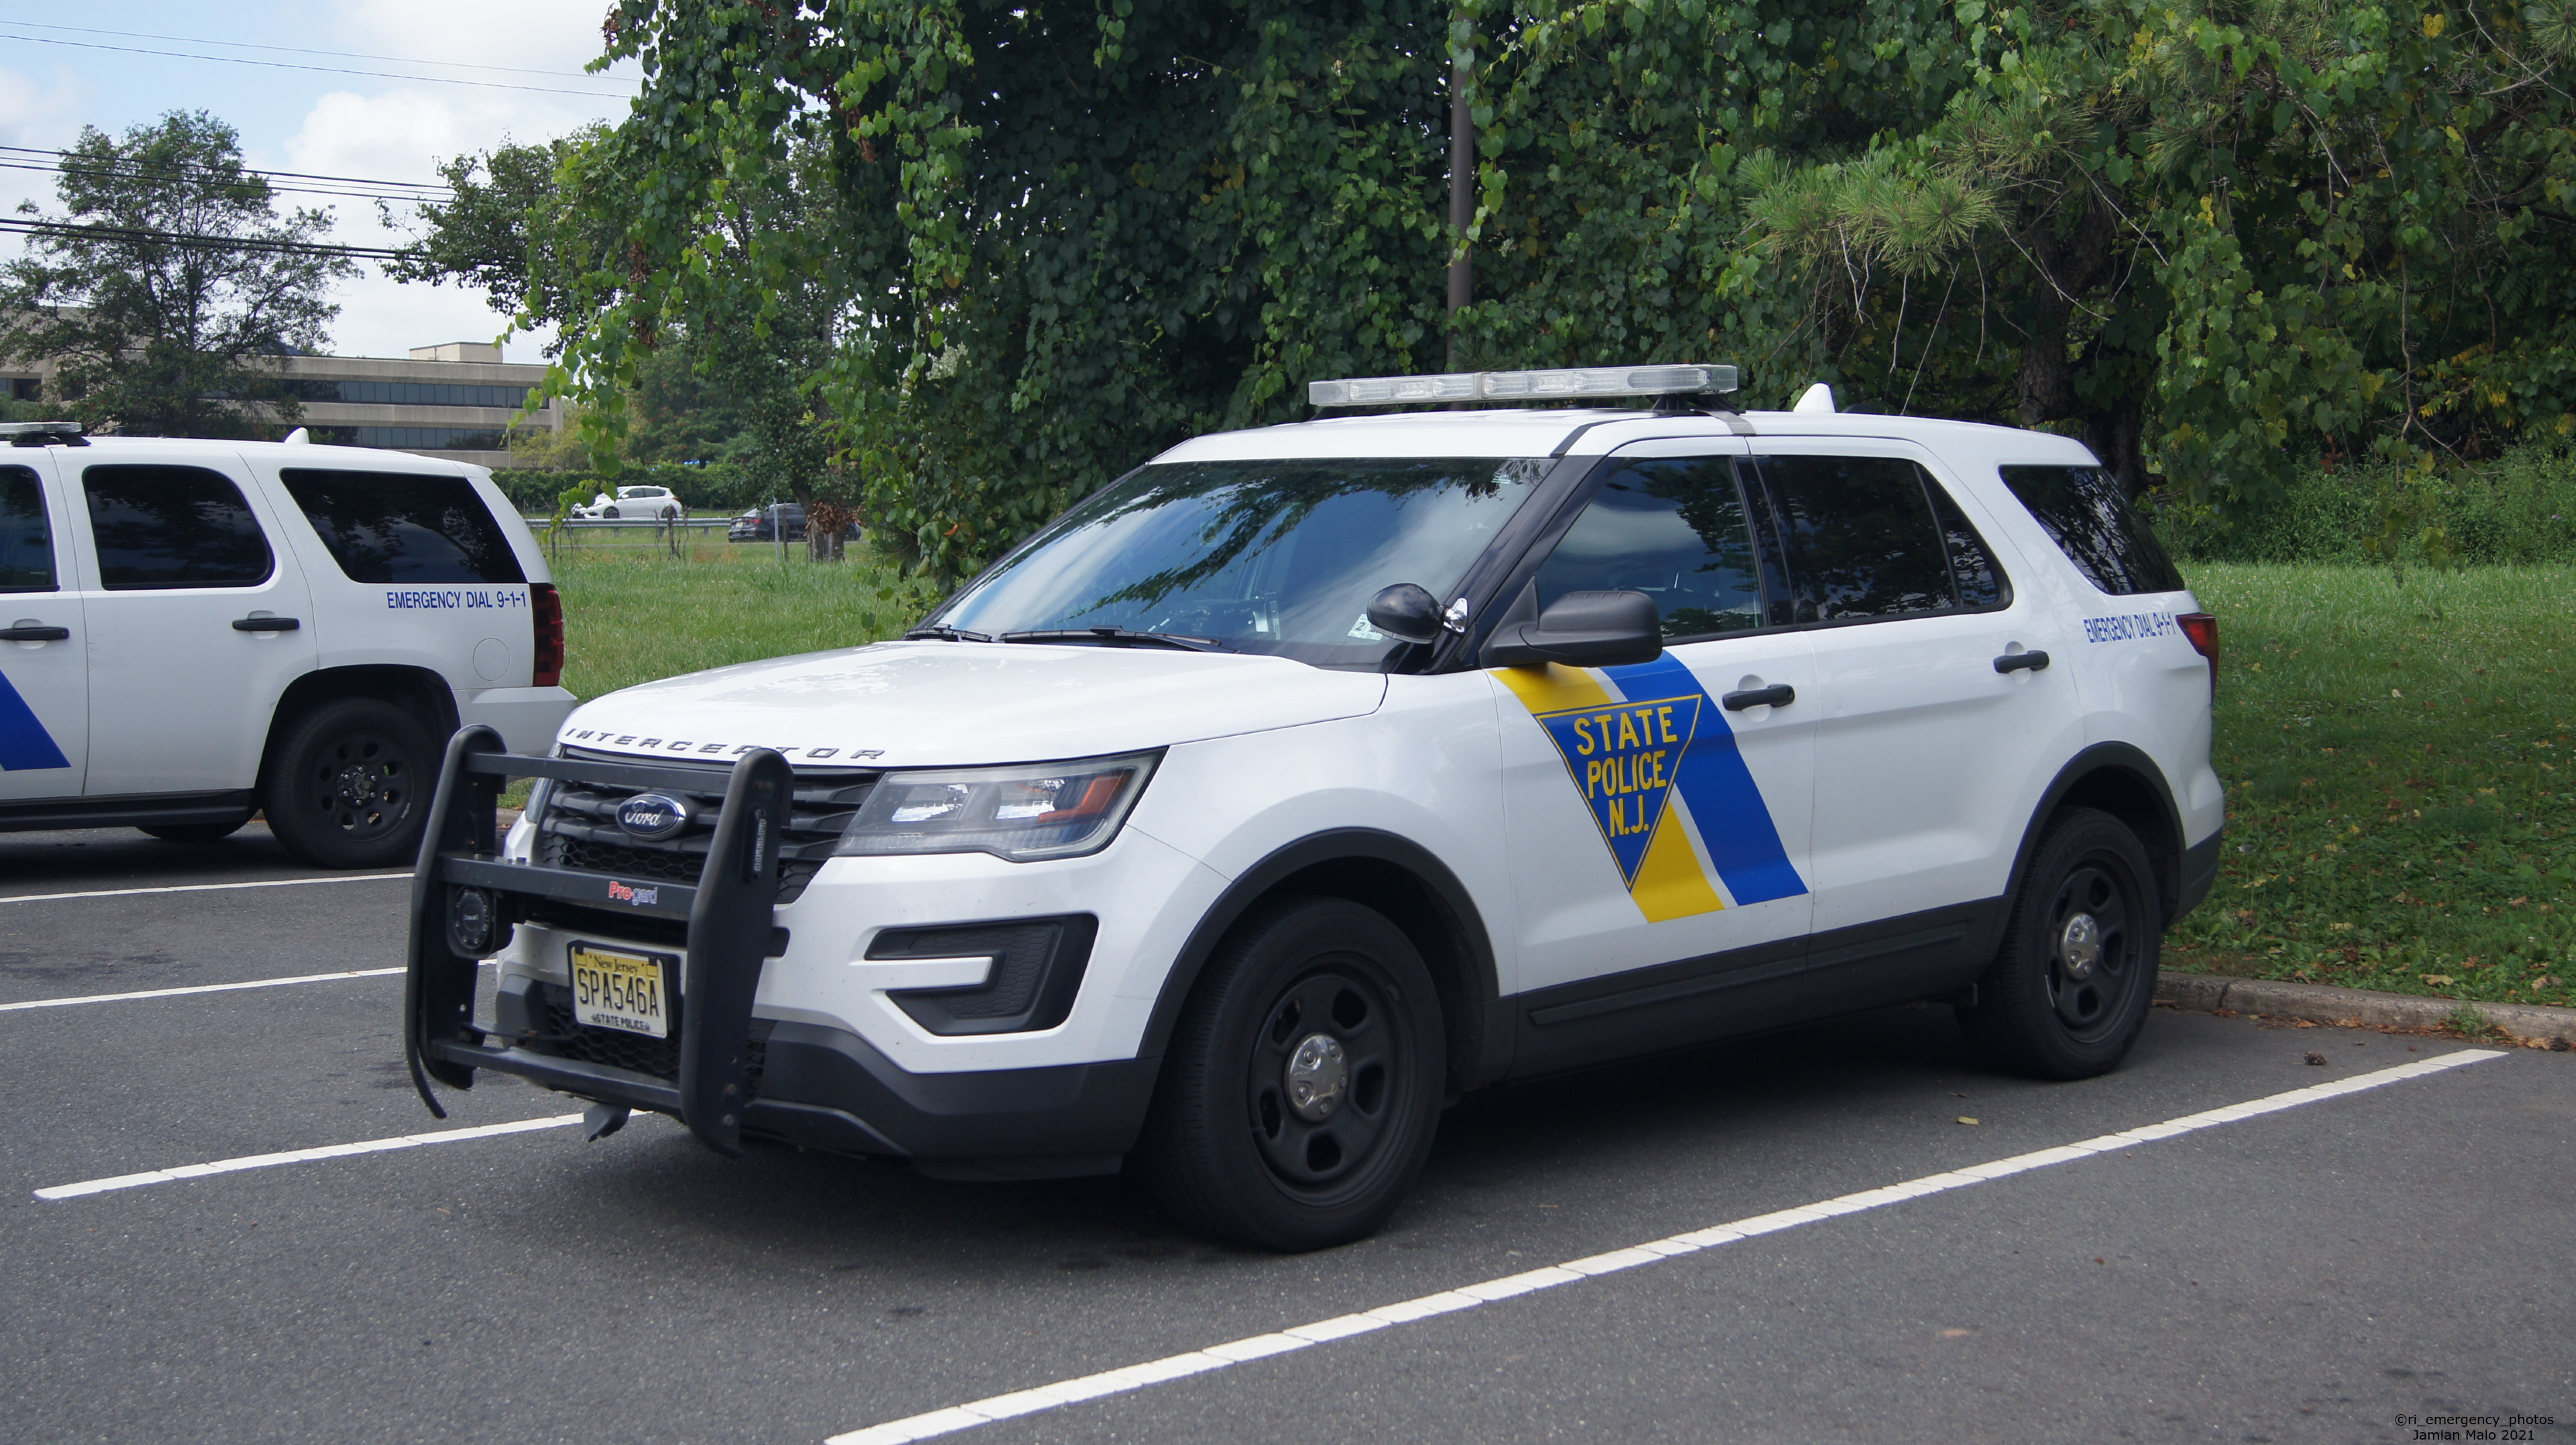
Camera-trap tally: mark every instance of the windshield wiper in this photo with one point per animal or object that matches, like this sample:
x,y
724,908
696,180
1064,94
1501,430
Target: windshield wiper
x,y
942,632
1119,637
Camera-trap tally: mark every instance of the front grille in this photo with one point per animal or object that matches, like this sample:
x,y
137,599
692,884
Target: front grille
x,y
578,829
637,1053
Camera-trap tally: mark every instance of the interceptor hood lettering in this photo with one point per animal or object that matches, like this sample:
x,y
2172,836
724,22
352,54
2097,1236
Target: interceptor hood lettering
x,y
946,704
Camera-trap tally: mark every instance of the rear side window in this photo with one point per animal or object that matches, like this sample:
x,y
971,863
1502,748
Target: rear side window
x,y
1874,537
159,527
403,526
2087,513
1673,529
26,537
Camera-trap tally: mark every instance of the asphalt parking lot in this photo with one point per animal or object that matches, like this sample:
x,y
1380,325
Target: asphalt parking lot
x,y
2325,1270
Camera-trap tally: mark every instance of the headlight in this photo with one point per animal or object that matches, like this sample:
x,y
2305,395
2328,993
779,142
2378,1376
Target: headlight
x,y
1022,813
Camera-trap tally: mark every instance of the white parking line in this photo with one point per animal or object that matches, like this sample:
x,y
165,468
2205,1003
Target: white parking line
x,y
206,887
1217,1357
299,1156
195,988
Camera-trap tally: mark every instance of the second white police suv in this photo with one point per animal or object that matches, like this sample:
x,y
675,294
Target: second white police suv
x,y
1308,777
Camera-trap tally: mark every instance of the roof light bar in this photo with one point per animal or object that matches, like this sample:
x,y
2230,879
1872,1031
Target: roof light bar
x,y
1580,381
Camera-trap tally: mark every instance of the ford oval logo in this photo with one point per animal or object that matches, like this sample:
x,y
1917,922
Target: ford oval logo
x,y
652,816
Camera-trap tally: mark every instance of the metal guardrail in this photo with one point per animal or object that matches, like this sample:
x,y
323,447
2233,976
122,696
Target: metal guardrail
x,y
626,524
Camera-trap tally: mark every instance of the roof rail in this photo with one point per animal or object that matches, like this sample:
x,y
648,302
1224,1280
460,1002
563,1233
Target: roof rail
x,y
43,433
1567,384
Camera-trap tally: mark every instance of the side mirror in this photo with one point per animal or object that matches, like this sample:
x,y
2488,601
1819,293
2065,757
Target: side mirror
x,y
1581,629
1406,613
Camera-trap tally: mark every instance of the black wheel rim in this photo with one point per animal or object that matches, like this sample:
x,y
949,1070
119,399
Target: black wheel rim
x,y
361,785
2093,948
1310,1134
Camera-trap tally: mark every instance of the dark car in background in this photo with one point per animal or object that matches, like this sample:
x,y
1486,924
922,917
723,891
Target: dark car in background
x,y
764,524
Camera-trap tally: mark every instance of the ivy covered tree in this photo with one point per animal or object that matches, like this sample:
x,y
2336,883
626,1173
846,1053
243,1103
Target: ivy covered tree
x,y
1000,250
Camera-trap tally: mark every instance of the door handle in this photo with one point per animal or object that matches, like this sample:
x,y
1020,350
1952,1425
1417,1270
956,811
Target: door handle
x,y
1778,694
34,632
265,624
2035,661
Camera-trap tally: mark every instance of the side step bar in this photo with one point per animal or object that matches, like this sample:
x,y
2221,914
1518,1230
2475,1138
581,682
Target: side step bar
x,y
728,911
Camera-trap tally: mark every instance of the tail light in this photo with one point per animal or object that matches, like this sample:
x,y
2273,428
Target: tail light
x,y
2202,629
545,608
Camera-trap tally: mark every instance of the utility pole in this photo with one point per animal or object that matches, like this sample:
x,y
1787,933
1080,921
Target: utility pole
x,y
1462,172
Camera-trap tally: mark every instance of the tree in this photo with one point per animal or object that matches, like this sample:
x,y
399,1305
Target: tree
x,y
1023,244
539,229
170,286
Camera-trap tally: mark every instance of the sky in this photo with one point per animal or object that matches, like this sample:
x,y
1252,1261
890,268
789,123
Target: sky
x,y
65,67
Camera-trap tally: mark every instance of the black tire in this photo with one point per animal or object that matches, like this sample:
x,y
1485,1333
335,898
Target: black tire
x,y
350,785
1228,1151
2070,988
608,513
194,833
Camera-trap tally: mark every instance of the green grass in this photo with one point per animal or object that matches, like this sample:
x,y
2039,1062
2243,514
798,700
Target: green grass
x,y
2398,762
2399,759
635,613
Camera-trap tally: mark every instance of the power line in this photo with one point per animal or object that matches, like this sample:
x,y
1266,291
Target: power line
x,y
347,187
192,241
424,197
291,175
300,50
322,69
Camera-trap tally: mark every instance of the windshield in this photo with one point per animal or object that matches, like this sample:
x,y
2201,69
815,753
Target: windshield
x,y
1273,556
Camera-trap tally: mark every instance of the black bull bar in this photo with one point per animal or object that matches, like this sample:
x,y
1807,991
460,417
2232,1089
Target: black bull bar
x,y
728,913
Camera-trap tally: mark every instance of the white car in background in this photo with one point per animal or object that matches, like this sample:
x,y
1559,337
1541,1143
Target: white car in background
x,y
650,504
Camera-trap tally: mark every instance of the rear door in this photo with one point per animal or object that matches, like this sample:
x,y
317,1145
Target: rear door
x,y
1929,755
198,623
1658,835
44,679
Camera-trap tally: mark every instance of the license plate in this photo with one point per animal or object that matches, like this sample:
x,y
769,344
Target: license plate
x,y
629,992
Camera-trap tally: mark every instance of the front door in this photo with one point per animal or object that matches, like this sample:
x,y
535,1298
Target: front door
x,y
190,641
1930,741
1658,829
44,683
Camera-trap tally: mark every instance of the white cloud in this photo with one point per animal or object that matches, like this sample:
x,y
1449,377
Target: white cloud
x,y
32,115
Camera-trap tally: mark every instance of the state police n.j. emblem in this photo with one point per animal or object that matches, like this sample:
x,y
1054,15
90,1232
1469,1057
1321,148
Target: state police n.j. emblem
x,y
1625,756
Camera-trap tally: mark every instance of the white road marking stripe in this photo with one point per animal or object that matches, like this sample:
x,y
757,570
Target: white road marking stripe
x,y
300,1156
1217,1357
196,988
207,887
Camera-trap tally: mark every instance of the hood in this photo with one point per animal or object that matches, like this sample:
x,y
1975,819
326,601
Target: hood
x,y
939,704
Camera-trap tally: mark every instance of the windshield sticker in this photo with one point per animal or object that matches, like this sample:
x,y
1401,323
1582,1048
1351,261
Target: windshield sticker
x,y
1660,773
2128,626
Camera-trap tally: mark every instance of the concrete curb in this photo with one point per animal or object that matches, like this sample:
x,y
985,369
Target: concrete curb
x,y
2318,1003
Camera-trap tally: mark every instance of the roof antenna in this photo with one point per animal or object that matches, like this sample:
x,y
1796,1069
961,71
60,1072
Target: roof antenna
x,y
1818,400
302,438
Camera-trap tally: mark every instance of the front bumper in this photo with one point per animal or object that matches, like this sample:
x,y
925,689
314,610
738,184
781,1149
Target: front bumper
x,y
829,1089
809,1079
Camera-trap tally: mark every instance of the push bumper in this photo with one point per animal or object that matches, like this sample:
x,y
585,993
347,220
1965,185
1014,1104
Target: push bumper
x,y
724,1074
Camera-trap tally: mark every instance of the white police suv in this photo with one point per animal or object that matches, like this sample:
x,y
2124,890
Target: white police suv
x,y
201,630
1308,777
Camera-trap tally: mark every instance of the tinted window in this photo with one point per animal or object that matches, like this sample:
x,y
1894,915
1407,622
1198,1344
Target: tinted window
x,y
26,540
1674,530
1974,572
1860,537
172,527
2088,515
403,527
